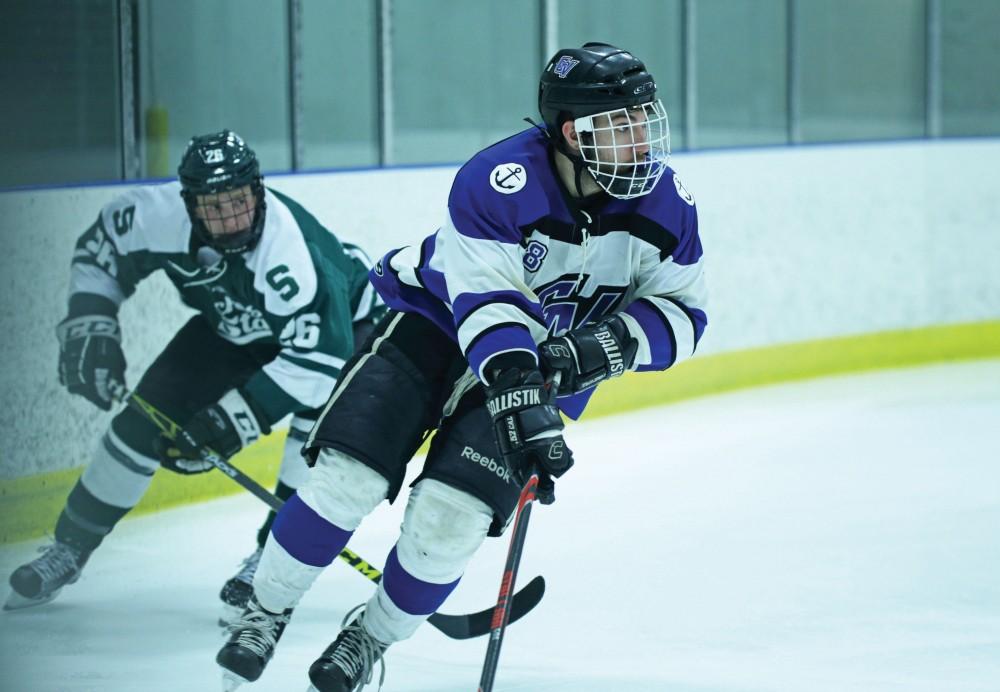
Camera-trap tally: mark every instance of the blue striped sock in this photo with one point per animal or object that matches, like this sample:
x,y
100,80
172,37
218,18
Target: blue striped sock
x,y
307,536
410,594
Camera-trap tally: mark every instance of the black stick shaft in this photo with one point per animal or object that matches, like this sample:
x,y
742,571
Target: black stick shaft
x,y
501,613
245,481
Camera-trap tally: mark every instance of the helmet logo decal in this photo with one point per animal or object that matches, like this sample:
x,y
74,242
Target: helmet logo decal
x,y
508,178
643,88
212,155
564,65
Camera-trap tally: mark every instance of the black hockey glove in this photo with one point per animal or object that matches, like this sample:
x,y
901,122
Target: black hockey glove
x,y
225,428
589,354
91,362
528,429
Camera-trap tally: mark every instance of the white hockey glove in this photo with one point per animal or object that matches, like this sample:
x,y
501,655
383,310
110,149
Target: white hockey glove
x,y
225,428
91,362
590,354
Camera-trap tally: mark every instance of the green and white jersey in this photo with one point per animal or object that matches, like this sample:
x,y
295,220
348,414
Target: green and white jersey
x,y
299,289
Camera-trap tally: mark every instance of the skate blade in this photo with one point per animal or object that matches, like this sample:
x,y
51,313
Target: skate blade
x,y
230,681
16,601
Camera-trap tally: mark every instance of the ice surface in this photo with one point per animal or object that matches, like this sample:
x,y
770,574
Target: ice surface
x,y
837,535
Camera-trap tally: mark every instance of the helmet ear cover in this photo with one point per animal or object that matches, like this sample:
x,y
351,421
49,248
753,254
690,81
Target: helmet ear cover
x,y
214,164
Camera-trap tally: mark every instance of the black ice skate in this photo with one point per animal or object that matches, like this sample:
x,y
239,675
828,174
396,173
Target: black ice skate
x,y
252,638
349,662
42,579
236,592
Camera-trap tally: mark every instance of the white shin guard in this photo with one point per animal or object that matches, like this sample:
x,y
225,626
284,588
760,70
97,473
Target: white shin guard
x,y
387,622
442,529
281,580
342,490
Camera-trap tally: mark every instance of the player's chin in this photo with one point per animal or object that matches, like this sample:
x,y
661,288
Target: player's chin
x,y
622,174
637,171
621,169
223,236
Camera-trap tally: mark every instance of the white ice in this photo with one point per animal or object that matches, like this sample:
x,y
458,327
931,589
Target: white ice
x,y
836,535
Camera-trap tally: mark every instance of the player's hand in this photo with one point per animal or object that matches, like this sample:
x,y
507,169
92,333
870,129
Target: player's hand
x,y
223,428
589,354
528,429
91,362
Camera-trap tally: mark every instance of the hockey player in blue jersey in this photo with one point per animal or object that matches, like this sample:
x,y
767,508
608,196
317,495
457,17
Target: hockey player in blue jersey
x,y
279,303
563,250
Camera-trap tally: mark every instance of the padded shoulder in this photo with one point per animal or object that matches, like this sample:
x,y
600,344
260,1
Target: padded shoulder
x,y
148,217
283,269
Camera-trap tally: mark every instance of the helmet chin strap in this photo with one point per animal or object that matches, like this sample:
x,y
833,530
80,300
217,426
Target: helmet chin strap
x,y
579,167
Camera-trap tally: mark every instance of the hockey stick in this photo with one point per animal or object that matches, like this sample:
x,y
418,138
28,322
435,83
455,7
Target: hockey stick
x,y
455,626
470,625
502,613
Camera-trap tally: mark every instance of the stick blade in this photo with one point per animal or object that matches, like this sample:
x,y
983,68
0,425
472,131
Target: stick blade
x,y
478,624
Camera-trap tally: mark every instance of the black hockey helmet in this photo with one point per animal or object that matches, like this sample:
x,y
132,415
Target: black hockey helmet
x,y
595,78
218,163
592,86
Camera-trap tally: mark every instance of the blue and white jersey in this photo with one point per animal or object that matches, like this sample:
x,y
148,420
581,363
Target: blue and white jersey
x,y
514,263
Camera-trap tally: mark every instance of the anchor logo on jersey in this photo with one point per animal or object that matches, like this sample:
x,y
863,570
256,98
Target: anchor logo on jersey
x,y
508,178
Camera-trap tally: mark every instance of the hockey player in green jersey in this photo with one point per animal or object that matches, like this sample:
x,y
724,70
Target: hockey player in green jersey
x,y
280,305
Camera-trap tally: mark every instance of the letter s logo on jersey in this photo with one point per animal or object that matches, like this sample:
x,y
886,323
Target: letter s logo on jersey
x,y
508,178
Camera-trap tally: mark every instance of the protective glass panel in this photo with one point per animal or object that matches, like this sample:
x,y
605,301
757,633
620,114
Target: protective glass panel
x,y
970,67
861,69
207,66
61,120
339,122
741,68
464,74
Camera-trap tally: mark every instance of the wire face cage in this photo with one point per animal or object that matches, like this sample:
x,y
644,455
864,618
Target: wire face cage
x,y
627,149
